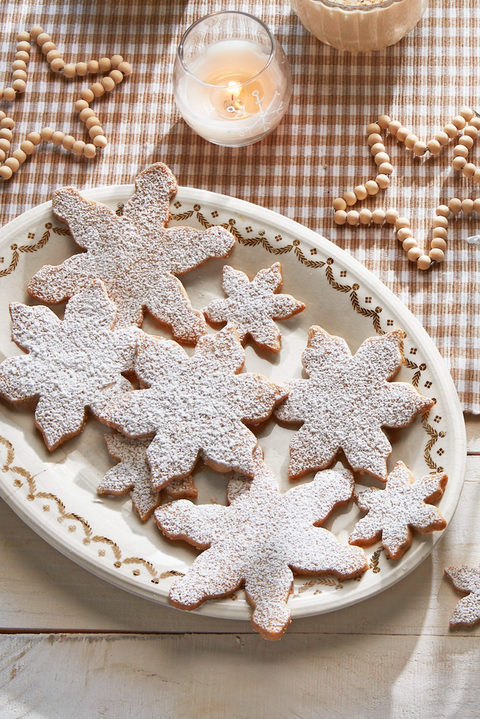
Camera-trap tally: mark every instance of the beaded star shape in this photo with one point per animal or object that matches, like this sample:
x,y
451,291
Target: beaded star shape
x,y
135,255
259,541
404,505
346,401
254,305
466,580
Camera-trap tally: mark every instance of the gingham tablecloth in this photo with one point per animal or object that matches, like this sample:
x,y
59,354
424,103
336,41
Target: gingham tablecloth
x,y
317,152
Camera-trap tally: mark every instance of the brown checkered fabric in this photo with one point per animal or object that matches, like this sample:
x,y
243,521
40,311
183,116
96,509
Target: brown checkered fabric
x,y
317,152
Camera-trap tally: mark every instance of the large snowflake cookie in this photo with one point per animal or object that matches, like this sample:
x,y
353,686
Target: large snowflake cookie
x,y
259,541
466,580
195,406
404,505
132,476
345,402
253,306
71,364
135,255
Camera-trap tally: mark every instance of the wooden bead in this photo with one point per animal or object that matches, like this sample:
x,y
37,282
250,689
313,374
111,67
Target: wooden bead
x,y
378,216
340,217
451,130
87,95
380,158
12,163
36,31
48,47
19,86
57,65
22,56
78,147
365,216
374,139
436,254
27,147
93,67
476,177
9,94
402,134
475,122
23,36
440,221
470,131
69,70
107,83
467,141
414,254
80,105
440,232
393,127
372,187
57,137
385,168
434,147
409,243
42,38
350,198
19,155
458,163
353,217
377,147
53,55
81,68
383,121
4,144
7,134
403,233
391,216
116,60
100,142
97,89
442,138
439,243
410,140
105,64
467,113
126,69
94,131
469,169
5,172
402,222
34,137
460,151
467,206
86,113
476,205
338,204
7,122
19,65
2,115
2,155
24,45
419,148
68,142
116,76
90,151
19,75
46,134
424,262
382,181
360,192
443,210
459,122
455,205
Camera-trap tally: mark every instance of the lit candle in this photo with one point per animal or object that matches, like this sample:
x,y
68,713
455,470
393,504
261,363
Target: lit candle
x,y
231,79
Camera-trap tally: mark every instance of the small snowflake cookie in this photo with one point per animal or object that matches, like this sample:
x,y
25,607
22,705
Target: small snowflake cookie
x,y
394,512
466,580
71,364
132,476
195,406
259,540
253,306
135,255
346,401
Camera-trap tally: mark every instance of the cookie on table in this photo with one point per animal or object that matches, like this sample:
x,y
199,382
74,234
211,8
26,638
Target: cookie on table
x,y
71,365
136,255
259,541
401,508
346,401
466,580
195,406
254,305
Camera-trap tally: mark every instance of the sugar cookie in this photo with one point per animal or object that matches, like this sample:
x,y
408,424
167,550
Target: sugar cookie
x,y
466,580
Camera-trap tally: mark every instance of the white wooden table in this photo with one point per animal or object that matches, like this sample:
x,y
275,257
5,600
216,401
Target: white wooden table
x,y
74,647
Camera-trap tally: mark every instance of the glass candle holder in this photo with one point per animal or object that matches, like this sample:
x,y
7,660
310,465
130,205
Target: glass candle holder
x,y
231,79
359,25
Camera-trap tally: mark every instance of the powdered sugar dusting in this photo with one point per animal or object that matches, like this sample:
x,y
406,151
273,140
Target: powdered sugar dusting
x,y
258,540
466,579
346,401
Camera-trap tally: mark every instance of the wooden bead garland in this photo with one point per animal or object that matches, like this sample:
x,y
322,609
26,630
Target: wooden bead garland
x,y
117,68
466,121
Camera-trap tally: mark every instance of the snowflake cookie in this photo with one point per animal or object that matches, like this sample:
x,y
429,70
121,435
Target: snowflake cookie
x,y
252,306
346,401
135,255
259,541
466,580
132,475
70,365
195,406
404,505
